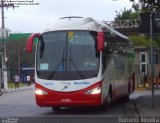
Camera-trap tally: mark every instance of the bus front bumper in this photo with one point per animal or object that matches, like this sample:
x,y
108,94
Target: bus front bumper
x,y
68,99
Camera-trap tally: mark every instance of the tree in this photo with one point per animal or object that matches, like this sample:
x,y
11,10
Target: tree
x,y
147,6
17,56
137,40
140,40
156,39
126,14
144,41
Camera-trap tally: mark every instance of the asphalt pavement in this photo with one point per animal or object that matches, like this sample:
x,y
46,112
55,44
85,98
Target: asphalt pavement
x,y
147,109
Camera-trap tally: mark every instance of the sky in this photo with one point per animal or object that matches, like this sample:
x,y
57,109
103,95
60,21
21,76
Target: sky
x,y
34,18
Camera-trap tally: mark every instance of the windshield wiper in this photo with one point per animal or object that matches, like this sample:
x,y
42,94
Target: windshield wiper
x,y
72,61
80,73
58,65
42,46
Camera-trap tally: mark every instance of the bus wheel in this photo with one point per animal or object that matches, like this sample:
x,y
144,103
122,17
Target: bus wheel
x,y
109,97
56,108
129,88
0,92
126,97
107,104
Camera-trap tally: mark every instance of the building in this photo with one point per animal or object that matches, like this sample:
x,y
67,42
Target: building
x,y
143,67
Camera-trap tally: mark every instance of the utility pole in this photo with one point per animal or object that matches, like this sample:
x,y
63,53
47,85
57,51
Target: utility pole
x,y
152,56
19,61
4,59
4,34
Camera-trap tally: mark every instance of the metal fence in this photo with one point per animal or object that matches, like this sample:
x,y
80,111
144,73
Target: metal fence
x,y
134,23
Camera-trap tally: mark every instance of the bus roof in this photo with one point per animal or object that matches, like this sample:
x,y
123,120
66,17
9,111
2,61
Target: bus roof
x,y
80,23
75,23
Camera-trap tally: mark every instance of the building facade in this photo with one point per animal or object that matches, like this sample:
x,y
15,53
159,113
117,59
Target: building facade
x,y
143,67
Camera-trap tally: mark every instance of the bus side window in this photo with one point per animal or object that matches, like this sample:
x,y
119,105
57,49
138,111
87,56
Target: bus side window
x,y
107,54
104,63
108,48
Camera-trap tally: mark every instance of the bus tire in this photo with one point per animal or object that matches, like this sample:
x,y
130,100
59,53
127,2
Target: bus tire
x,y
129,88
104,107
126,97
56,108
107,104
109,97
0,92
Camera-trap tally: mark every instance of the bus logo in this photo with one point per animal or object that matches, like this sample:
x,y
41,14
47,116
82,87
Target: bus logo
x,y
66,85
48,84
82,83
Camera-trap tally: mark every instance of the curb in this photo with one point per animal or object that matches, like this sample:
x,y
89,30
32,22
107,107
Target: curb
x,y
18,89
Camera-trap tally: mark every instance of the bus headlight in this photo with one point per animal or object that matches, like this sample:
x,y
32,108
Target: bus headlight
x,y
40,92
96,90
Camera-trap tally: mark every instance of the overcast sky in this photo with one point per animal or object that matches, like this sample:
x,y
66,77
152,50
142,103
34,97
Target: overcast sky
x,y
34,18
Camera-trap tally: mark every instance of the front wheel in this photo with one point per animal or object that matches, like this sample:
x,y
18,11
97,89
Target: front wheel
x,y
125,98
56,108
107,104
0,92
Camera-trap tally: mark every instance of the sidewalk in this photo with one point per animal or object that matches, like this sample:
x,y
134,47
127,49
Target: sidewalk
x,y
24,88
144,103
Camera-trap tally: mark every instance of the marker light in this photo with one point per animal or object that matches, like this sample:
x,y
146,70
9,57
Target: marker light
x,y
40,92
96,90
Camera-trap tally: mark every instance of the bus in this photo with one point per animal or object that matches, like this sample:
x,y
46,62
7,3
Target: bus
x,y
81,62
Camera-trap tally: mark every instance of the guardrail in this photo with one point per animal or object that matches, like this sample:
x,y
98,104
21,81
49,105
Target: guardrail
x,y
134,23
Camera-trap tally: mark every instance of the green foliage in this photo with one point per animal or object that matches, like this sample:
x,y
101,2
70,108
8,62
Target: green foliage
x,y
144,41
157,40
140,40
17,55
130,14
126,14
147,6
12,84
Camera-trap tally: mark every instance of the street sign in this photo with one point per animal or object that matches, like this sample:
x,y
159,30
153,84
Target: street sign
x,y
4,33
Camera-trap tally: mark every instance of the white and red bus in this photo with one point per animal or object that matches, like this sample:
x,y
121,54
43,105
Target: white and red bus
x,y
81,62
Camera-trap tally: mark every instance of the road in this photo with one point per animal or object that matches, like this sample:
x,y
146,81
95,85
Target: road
x,y
22,105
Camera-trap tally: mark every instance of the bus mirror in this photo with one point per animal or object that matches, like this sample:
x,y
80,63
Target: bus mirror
x,y
30,40
100,41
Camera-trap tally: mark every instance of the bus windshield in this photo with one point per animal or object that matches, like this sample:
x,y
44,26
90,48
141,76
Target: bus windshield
x,y
67,55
